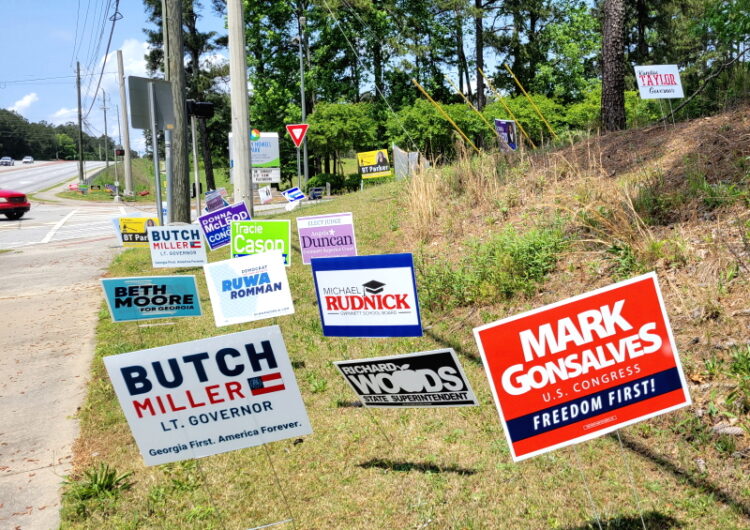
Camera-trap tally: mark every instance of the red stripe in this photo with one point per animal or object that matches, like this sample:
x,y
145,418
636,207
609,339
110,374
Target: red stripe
x,y
259,391
270,377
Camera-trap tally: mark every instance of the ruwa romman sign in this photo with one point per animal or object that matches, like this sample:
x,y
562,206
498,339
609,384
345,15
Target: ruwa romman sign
x,y
209,396
583,367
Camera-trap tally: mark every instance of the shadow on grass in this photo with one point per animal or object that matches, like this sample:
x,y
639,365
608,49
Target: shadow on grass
x,y
348,404
455,345
652,520
415,466
693,479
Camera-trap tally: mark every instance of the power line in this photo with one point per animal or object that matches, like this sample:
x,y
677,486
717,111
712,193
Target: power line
x,y
24,81
75,39
83,29
114,18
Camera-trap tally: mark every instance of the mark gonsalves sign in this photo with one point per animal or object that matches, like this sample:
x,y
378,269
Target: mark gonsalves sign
x,y
659,81
424,379
209,396
149,297
583,367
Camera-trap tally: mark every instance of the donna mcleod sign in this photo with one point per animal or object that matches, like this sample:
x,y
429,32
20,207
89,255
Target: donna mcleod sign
x,y
583,367
209,396
424,379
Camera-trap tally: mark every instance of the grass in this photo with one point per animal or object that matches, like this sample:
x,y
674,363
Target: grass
x,y
482,256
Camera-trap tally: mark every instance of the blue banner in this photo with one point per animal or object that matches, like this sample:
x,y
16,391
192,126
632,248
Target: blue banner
x,y
145,298
594,404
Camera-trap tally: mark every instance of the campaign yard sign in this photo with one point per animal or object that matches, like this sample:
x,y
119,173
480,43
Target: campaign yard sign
x,y
367,296
424,379
583,367
373,164
265,194
254,237
216,224
209,396
150,297
326,236
506,131
293,194
173,246
133,230
248,288
659,81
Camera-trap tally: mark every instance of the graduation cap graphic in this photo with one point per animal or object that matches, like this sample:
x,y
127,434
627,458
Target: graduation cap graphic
x,y
373,287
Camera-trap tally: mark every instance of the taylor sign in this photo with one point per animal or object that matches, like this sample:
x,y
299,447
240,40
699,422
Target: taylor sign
x,y
659,81
583,367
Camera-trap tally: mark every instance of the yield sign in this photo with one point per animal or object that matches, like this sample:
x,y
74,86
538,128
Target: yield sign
x,y
297,131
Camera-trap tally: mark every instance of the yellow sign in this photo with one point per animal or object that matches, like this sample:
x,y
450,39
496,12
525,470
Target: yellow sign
x,y
134,230
373,164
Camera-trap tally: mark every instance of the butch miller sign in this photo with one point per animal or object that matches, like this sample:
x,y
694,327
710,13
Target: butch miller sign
x,y
209,396
583,367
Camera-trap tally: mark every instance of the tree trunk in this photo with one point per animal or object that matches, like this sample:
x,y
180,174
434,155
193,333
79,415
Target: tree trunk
x,y
479,49
463,64
613,66
180,207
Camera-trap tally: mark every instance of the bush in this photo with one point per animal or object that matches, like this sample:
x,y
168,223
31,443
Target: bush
x,y
508,264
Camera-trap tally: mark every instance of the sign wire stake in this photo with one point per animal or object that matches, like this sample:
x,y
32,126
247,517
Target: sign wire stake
x,y
279,485
586,487
632,479
207,491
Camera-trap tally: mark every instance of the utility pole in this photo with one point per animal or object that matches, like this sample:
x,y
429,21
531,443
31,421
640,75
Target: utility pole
x,y
80,124
243,177
106,139
178,178
302,20
125,140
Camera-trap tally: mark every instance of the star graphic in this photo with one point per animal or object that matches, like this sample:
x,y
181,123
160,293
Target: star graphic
x,y
332,231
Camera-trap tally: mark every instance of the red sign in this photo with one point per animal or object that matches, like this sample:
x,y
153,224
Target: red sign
x,y
297,131
583,367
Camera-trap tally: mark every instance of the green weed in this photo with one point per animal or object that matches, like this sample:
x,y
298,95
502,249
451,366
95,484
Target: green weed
x,y
98,482
508,264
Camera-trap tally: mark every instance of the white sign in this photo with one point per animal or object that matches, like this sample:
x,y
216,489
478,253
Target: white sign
x,y
174,246
266,175
249,288
659,81
265,194
209,396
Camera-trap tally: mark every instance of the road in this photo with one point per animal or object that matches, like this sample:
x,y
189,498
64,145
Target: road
x,y
49,298
31,178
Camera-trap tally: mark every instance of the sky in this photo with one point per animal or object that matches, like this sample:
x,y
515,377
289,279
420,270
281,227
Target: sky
x,y
41,41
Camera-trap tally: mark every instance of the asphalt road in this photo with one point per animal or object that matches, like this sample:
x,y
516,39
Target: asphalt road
x,y
50,296
31,178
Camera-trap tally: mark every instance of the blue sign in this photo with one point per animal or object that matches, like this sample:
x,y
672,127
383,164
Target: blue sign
x,y
367,296
216,225
144,297
293,194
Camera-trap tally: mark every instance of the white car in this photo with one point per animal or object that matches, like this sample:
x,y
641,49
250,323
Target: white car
x,y
27,160
6,161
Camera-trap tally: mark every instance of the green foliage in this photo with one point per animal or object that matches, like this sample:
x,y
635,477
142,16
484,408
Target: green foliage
x,y
739,368
529,118
337,128
625,260
508,264
99,486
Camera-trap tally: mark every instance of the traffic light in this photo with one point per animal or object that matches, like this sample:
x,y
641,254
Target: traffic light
x,y
200,109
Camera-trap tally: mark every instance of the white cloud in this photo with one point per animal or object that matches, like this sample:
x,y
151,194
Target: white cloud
x,y
24,103
64,115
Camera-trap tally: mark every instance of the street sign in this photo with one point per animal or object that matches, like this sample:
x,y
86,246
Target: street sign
x,y
139,104
297,131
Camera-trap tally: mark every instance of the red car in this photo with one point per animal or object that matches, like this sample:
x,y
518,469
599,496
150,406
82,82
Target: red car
x,y
13,204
